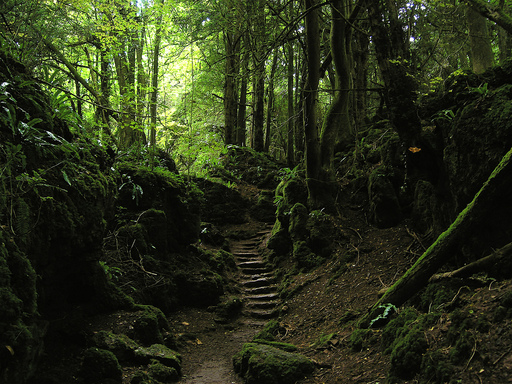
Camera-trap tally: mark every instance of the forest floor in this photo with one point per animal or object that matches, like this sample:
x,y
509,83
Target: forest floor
x,y
319,312
321,298
317,316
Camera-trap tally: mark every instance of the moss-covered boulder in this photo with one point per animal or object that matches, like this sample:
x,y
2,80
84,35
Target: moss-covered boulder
x,y
100,366
261,363
384,205
163,373
160,353
264,210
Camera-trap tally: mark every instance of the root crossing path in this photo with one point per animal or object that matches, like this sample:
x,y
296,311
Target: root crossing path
x,y
211,343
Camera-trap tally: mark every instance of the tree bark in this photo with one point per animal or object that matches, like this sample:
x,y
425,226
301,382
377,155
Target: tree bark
x,y
488,199
290,155
231,40
312,145
270,103
480,41
259,77
154,79
392,55
499,16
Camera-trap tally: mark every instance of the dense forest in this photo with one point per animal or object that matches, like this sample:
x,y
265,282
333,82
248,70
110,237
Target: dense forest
x,y
256,191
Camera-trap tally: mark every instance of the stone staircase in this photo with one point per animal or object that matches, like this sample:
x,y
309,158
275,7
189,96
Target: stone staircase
x,y
259,286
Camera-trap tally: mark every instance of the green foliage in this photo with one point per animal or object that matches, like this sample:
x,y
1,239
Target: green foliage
x,y
135,189
387,310
481,90
445,114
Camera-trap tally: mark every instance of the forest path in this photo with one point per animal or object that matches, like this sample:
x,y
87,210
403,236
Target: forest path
x,y
210,345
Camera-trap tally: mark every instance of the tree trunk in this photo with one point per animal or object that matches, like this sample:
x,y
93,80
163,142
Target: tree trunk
x,y
259,77
270,104
290,156
481,52
488,199
241,125
154,80
312,155
336,127
392,55
498,15
231,40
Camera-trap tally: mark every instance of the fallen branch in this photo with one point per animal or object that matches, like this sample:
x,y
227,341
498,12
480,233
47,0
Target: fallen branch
x,y
483,264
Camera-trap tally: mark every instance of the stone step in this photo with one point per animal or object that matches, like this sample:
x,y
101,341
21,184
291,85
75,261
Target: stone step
x,y
252,264
262,282
261,290
255,271
254,276
263,297
261,313
248,258
262,304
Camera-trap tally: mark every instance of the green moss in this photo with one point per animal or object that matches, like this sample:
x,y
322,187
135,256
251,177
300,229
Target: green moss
x,y
298,220
463,348
259,363
148,325
229,308
397,328
360,338
407,354
305,258
162,373
99,364
276,344
269,331
435,368
436,295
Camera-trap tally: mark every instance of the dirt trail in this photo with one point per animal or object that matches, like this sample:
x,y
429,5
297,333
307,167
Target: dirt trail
x,y
210,345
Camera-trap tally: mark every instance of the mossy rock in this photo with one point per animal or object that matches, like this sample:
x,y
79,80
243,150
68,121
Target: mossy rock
x,y
385,209
229,309
148,326
280,240
407,355
435,367
305,258
298,220
160,353
259,363
163,373
99,366
269,331
120,345
277,344
361,338
264,210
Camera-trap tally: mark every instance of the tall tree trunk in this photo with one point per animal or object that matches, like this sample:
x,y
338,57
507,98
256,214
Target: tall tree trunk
x,y
231,40
480,41
154,79
290,155
259,76
393,57
141,81
361,56
496,14
270,104
336,126
488,199
312,155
